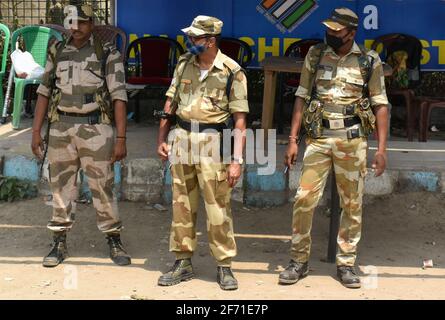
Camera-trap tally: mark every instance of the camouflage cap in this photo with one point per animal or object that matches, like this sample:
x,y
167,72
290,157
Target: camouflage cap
x,y
202,25
84,12
341,18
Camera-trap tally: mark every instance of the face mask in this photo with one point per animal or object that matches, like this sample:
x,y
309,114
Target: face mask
x,y
195,49
335,42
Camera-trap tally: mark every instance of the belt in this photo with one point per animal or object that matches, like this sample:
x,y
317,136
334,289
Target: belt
x,y
80,118
340,123
350,133
347,110
186,125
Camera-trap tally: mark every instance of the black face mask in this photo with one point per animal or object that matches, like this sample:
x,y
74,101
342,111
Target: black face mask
x,y
335,42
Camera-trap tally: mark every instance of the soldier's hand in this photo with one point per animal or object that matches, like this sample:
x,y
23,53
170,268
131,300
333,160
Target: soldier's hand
x,y
120,150
379,163
234,173
163,151
37,144
290,158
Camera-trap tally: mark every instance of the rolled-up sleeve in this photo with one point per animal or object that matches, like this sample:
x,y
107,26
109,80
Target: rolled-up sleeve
x,y
116,76
44,88
305,77
172,89
376,85
238,94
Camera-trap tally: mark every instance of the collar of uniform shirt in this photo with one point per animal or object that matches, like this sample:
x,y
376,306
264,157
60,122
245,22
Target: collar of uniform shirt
x,y
68,42
354,49
218,62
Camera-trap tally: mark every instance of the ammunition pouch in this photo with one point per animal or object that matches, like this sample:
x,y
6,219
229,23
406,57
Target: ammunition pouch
x,y
366,115
314,123
53,103
103,99
312,118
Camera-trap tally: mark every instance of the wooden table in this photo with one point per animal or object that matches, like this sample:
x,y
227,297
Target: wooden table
x,y
273,65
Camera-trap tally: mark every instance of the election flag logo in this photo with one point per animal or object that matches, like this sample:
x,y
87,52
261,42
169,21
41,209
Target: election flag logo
x,y
286,15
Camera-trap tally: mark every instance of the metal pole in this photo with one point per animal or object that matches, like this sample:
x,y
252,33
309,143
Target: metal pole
x,y
113,12
334,221
107,15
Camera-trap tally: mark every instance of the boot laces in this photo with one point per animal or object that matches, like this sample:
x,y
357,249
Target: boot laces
x,y
176,265
294,266
115,243
348,269
226,271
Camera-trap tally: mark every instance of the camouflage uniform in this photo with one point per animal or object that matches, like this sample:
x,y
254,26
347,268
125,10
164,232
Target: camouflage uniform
x,y
338,81
205,101
73,146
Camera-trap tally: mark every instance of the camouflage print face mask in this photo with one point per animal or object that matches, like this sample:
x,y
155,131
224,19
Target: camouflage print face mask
x,y
195,49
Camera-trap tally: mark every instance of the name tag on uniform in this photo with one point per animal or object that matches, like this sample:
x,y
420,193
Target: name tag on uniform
x,y
325,75
186,81
325,72
325,67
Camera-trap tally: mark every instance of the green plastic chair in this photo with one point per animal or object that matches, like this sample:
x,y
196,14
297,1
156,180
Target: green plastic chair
x,y
36,40
3,29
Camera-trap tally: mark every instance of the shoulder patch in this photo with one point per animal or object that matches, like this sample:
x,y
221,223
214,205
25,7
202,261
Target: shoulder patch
x,y
185,56
317,49
232,67
364,50
108,46
56,49
373,54
231,64
314,55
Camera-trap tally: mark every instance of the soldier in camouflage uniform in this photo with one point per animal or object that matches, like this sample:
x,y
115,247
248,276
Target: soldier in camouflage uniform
x,y
84,87
340,99
207,99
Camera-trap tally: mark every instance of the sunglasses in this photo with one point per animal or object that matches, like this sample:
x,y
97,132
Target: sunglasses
x,y
193,39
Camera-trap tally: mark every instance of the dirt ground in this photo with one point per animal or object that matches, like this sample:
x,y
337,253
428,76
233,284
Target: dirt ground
x,y
399,232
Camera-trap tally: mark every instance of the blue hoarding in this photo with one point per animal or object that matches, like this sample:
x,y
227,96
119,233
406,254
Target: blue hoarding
x,y
270,26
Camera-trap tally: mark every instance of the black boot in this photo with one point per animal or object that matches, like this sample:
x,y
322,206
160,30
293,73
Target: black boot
x,y
226,279
59,251
348,277
117,251
293,272
182,270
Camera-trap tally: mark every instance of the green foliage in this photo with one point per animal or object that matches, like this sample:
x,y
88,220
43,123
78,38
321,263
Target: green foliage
x,y
12,189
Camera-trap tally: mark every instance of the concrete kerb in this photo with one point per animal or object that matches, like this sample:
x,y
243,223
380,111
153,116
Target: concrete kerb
x,y
149,180
142,180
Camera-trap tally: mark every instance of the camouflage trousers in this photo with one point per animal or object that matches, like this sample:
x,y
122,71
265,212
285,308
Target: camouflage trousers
x,y
209,177
75,146
349,160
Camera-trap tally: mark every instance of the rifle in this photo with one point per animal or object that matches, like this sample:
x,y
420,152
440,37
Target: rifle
x,y
171,116
8,96
54,100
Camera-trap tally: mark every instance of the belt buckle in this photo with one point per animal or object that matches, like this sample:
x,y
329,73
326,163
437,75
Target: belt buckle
x,y
336,124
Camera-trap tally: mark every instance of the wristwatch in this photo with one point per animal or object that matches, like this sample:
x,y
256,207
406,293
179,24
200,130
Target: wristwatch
x,y
239,160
